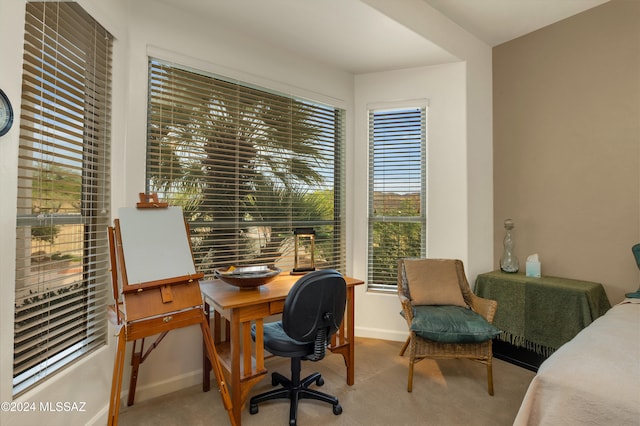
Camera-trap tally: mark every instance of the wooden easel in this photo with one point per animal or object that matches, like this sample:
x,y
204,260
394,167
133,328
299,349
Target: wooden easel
x,y
157,306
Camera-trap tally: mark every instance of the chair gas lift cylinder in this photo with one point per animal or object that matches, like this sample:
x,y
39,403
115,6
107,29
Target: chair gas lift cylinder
x,y
304,251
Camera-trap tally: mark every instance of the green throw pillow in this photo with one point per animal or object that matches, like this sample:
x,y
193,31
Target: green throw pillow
x,y
451,324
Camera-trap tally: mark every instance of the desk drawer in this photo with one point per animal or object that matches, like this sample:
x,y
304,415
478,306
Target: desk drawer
x,y
276,307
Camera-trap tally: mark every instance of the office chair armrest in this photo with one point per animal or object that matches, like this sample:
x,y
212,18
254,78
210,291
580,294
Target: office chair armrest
x,y
485,307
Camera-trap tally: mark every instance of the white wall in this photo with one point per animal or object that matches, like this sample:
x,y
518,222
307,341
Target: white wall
x,y
377,314
166,33
460,207
432,25
11,23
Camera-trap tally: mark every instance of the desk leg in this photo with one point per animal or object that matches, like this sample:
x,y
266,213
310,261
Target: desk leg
x,y
351,337
346,347
236,389
206,364
343,342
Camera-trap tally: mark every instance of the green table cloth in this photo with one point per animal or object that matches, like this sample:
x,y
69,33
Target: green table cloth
x,y
541,314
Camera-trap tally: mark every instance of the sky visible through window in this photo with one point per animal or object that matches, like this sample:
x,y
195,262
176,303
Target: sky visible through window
x,y
397,139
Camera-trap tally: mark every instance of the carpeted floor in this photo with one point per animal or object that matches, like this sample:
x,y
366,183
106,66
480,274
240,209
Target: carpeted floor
x,y
445,392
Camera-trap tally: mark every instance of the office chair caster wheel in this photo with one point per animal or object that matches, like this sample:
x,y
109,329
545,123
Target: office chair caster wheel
x,y
253,408
337,409
320,381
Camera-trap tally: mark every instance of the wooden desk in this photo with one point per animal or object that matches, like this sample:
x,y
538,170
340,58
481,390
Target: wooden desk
x,y
236,310
541,314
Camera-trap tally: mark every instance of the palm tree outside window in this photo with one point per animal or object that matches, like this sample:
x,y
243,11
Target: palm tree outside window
x,y
247,166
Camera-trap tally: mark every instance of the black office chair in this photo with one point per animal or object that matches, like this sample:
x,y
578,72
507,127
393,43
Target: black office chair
x,y
312,313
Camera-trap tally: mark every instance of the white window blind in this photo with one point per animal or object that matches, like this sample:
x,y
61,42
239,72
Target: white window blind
x,y
248,166
63,191
397,191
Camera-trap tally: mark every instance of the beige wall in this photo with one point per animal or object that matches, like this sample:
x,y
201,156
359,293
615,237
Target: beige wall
x,y
567,145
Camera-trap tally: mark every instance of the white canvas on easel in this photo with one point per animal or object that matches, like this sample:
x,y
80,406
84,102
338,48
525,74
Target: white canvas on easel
x,y
155,244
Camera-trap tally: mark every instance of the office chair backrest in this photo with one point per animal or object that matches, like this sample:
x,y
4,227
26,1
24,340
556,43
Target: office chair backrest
x,y
315,303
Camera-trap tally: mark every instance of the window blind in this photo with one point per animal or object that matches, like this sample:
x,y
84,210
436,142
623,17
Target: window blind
x,y
397,192
63,191
248,166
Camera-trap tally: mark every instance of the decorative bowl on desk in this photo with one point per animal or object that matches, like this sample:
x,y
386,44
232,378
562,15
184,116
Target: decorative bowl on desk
x,y
246,277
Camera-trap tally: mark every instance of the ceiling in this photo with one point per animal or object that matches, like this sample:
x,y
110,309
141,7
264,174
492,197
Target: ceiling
x,y
351,35
498,21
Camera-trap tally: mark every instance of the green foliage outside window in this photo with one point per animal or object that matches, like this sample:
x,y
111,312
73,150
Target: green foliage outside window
x,y
395,240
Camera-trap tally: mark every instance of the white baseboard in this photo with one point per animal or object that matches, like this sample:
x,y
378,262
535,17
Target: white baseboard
x,y
376,333
100,418
163,387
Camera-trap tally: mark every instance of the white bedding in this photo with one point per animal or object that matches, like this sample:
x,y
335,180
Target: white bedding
x,y
592,380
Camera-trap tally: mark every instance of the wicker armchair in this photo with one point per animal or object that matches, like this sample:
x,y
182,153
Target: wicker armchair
x,y
421,348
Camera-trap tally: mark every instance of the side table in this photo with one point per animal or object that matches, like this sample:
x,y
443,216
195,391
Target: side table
x,y
541,314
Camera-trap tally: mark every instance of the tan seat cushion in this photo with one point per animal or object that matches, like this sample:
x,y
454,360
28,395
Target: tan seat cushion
x,y
433,282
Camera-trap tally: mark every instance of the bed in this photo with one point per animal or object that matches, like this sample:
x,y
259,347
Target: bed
x,y
594,379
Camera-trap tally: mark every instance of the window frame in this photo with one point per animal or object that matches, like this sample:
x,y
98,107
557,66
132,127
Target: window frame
x,y
63,188
377,279
334,238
